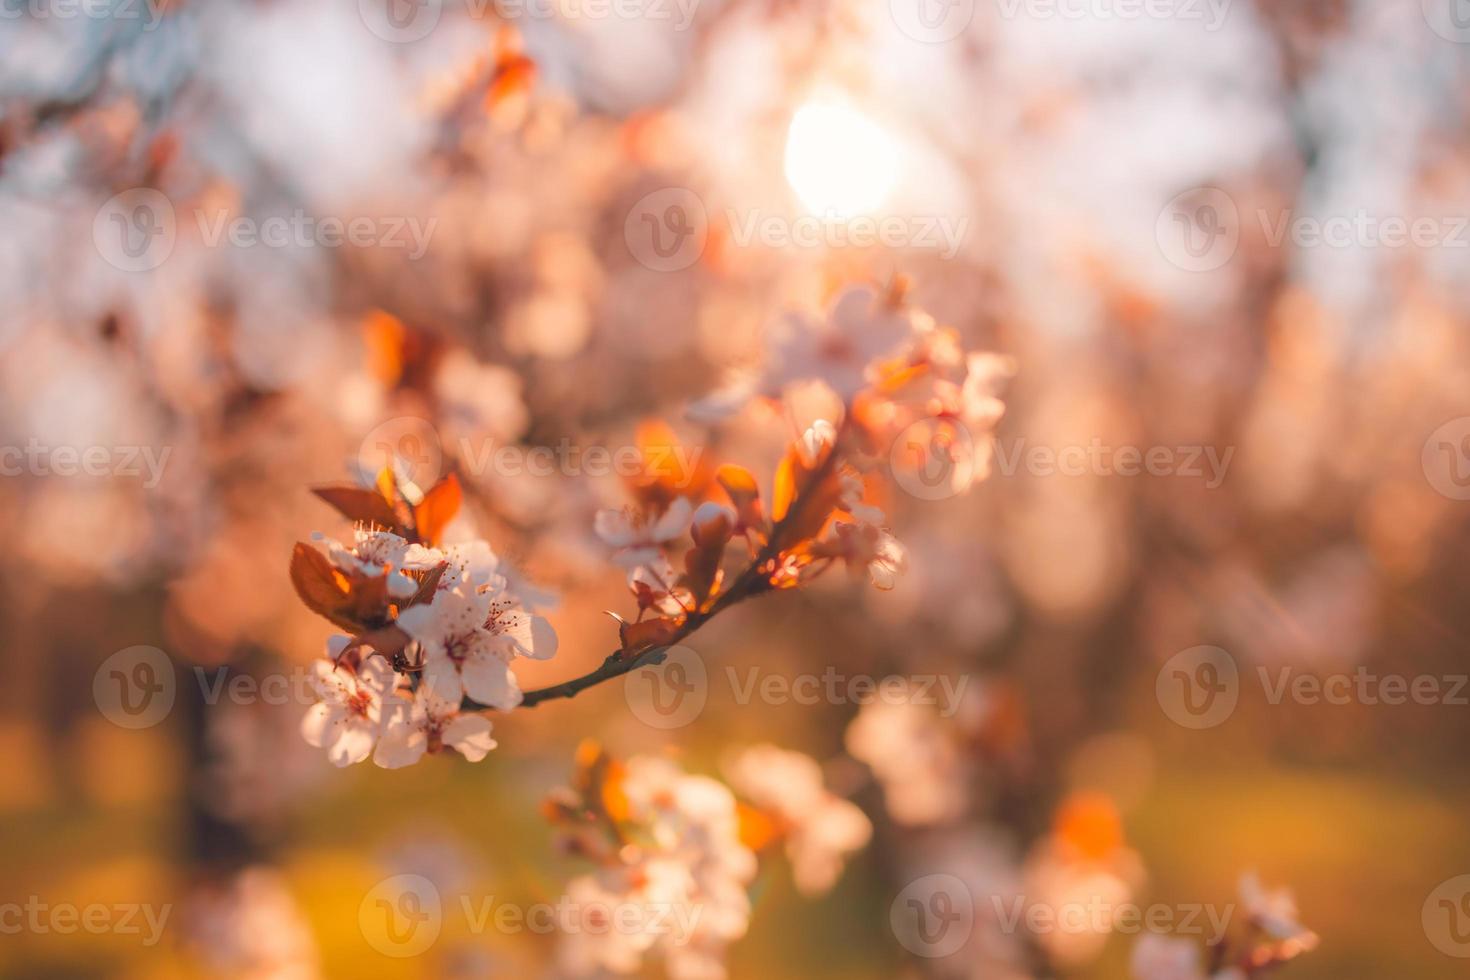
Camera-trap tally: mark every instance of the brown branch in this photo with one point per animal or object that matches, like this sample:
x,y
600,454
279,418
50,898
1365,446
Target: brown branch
x,y
753,581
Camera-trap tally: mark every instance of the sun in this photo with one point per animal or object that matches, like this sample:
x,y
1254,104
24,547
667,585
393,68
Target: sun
x,y
838,161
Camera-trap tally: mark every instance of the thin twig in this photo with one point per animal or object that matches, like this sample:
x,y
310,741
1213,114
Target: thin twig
x,y
752,581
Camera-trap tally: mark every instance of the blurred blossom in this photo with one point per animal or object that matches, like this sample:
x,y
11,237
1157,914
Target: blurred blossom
x,y
249,927
915,757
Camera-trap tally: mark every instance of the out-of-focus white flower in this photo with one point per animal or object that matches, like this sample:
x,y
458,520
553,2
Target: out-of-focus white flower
x,y
374,553
653,585
251,928
858,330
1274,912
348,716
429,723
915,758
619,914
820,828
1159,957
478,401
639,536
695,865
865,546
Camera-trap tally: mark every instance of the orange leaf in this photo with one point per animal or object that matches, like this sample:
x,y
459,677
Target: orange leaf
x,y
359,505
384,337
439,506
741,487
756,828
784,490
320,585
638,637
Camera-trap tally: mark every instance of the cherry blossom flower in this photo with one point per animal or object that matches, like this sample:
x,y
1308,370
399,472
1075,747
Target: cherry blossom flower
x,y
653,890
689,860
859,329
348,716
1274,912
469,637
639,536
429,723
1160,957
250,926
866,547
373,553
820,828
653,585
915,757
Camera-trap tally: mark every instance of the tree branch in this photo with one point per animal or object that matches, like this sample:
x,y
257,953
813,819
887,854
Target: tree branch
x,y
753,581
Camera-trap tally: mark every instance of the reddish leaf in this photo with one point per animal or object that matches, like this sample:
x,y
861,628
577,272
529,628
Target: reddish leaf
x,y
321,586
359,505
438,508
741,487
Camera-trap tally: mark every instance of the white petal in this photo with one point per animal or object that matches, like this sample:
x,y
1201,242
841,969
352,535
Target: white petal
x,y
614,526
376,675
443,676
402,746
488,679
543,639
354,742
469,735
674,521
317,721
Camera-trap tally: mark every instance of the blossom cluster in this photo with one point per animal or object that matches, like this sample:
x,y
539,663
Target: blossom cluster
x,y
433,630
1275,937
662,838
849,384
